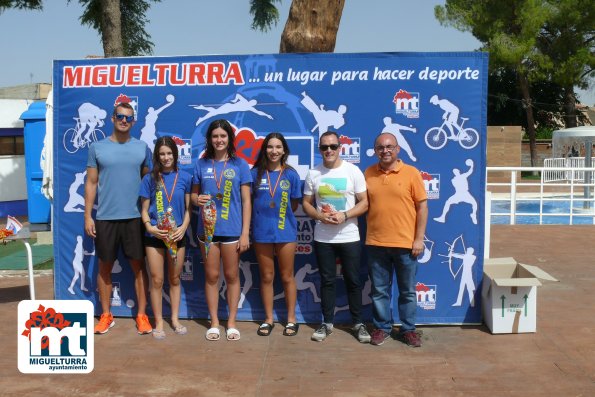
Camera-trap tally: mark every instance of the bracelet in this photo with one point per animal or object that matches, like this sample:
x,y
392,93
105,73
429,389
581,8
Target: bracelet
x,y
345,213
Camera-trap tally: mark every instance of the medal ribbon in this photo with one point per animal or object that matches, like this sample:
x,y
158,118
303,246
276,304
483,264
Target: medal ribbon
x,y
169,196
272,192
218,182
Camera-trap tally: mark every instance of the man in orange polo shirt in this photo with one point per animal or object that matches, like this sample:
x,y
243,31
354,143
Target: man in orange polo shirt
x,y
397,217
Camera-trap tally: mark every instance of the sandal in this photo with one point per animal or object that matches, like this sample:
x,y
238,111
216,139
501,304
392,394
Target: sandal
x,y
158,334
213,334
232,334
180,330
265,329
291,329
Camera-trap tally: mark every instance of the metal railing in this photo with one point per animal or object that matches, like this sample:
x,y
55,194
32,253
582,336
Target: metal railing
x,y
549,175
515,192
570,198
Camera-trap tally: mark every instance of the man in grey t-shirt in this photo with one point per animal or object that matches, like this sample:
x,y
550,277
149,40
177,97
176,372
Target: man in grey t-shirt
x,y
115,167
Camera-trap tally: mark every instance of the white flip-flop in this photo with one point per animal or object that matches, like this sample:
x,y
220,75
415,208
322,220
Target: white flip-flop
x,y
232,332
211,331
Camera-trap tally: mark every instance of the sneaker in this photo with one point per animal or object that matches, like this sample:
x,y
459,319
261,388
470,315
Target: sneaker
x,y
142,324
322,332
361,333
106,321
378,337
410,338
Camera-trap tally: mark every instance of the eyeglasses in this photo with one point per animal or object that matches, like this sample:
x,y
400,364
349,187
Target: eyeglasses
x,y
129,119
333,147
389,148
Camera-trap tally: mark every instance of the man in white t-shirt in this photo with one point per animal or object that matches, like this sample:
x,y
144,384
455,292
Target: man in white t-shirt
x,y
335,195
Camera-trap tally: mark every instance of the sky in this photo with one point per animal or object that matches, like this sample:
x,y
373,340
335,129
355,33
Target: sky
x,y
31,40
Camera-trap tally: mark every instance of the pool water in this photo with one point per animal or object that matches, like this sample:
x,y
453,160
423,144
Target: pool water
x,y
581,216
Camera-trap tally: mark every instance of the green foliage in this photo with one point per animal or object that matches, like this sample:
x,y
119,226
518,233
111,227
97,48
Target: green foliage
x,y
264,14
136,40
545,132
20,4
531,175
505,106
568,41
507,29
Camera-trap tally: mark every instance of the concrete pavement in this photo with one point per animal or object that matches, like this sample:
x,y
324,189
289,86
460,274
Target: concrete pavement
x,y
454,361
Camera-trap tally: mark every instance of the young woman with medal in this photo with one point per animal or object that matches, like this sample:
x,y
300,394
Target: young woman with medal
x,y
165,202
221,176
276,192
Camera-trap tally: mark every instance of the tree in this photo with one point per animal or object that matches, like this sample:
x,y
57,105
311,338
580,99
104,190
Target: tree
x,y
505,107
568,40
121,24
509,31
20,4
312,25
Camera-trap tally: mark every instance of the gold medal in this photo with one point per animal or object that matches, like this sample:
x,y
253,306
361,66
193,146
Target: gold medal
x,y
272,191
219,196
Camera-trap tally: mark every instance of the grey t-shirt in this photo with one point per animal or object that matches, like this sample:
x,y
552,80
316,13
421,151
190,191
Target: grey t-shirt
x,y
119,166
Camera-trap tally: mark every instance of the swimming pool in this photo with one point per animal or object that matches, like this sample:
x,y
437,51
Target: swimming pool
x,y
527,212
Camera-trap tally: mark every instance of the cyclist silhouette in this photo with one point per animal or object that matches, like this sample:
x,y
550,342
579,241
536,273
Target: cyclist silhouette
x,y
451,113
90,117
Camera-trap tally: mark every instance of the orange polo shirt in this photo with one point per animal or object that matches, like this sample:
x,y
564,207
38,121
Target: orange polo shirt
x,y
392,196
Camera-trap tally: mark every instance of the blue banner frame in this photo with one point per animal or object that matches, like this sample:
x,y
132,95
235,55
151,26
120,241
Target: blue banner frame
x,y
434,103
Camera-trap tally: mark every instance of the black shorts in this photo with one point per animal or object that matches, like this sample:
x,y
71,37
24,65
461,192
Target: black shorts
x,y
221,239
154,242
124,233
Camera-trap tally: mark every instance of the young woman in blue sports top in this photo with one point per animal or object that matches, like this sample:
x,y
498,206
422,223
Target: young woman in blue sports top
x,y
165,190
276,192
221,182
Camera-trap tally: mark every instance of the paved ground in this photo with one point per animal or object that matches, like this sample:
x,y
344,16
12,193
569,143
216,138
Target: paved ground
x,y
454,361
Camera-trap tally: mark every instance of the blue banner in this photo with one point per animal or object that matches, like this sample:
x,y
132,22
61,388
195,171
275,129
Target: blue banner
x,y
434,103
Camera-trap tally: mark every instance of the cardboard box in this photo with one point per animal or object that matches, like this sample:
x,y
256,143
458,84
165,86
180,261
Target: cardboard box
x,y
509,295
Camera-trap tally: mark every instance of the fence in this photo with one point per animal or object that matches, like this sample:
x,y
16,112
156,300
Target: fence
x,y
550,175
577,195
564,191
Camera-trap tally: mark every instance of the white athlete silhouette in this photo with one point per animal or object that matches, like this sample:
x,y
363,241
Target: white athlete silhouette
x,y
301,284
238,104
116,293
461,194
395,129
77,265
467,283
324,118
366,300
148,133
90,117
468,258
187,264
76,201
451,113
117,267
427,254
247,272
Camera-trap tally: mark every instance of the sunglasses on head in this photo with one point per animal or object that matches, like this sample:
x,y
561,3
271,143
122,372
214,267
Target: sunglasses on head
x,y
129,119
333,147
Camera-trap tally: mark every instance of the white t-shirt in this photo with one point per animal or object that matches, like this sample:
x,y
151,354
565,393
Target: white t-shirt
x,y
334,190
